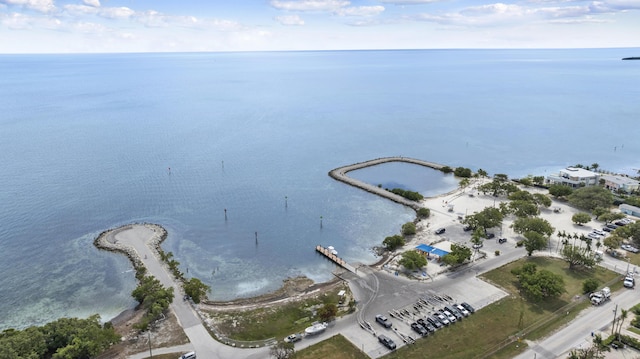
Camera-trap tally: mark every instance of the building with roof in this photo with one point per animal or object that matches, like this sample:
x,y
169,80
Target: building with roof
x,y
620,183
574,177
429,250
630,210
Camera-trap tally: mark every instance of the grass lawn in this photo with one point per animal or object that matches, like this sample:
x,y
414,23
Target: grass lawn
x,y
489,329
336,347
274,321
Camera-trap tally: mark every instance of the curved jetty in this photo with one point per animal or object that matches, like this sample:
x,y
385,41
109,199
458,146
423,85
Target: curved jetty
x,y
340,174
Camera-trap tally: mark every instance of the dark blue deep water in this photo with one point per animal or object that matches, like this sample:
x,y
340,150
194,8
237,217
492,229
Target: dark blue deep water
x,y
86,143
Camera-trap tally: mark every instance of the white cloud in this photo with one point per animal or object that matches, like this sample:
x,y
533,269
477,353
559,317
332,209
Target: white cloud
x,y
309,5
94,3
116,12
360,10
38,5
409,2
290,20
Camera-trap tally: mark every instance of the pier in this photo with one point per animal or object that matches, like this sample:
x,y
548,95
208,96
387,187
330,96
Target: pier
x,y
340,174
335,259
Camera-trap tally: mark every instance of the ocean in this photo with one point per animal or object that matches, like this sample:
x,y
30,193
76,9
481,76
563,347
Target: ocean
x,y
90,142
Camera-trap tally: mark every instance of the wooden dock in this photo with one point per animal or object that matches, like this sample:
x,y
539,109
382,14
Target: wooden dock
x,y
335,259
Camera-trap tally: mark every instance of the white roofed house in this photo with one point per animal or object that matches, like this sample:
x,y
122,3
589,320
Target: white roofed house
x,y
574,177
620,183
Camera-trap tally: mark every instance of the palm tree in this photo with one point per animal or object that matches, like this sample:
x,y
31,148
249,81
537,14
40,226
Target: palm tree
x,y
595,166
621,318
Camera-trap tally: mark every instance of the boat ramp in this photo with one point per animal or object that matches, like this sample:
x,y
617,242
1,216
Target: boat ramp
x,y
330,254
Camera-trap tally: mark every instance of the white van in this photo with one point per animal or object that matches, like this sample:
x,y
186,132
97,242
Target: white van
x,y
189,355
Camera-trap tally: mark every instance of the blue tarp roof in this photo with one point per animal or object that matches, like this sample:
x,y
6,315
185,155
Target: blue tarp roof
x,y
431,250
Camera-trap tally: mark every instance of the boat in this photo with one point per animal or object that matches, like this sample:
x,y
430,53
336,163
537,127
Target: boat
x,y
316,328
332,250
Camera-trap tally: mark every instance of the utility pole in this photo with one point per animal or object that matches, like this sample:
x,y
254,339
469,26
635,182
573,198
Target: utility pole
x,y
613,325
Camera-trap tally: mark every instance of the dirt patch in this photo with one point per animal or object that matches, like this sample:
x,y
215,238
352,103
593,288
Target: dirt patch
x,y
165,333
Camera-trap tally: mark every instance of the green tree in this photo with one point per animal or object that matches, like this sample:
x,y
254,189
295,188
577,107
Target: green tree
x,y
154,298
535,224
327,312
409,228
477,237
464,183
424,212
578,256
462,172
630,231
609,217
459,253
558,190
482,173
412,260
487,218
599,211
501,177
539,180
282,350
534,241
590,285
521,196
526,181
581,218
195,289
613,241
542,284
391,243
446,169
590,198
523,208
542,200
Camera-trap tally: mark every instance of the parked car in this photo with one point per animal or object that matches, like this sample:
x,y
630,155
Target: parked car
x,y
490,235
477,245
443,319
630,248
502,240
435,321
599,232
468,307
467,228
419,329
386,341
629,281
440,230
450,316
593,236
293,338
620,223
384,321
453,310
612,226
429,327
189,355
607,229
462,310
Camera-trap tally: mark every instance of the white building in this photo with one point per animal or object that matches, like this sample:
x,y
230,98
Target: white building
x,y
620,183
630,210
574,177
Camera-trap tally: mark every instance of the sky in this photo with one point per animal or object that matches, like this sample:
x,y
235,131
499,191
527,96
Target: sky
x,y
95,26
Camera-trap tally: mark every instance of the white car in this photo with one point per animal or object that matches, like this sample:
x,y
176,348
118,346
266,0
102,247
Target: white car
x,y
629,282
598,232
630,248
462,310
593,236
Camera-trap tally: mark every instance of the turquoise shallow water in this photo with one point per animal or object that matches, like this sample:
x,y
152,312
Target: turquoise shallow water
x,y
87,142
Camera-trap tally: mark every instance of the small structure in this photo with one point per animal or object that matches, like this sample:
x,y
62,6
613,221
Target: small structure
x,y
630,210
429,250
574,177
620,183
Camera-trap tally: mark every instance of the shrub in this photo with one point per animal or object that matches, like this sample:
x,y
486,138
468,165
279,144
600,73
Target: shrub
x,y
497,253
589,285
409,228
424,212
